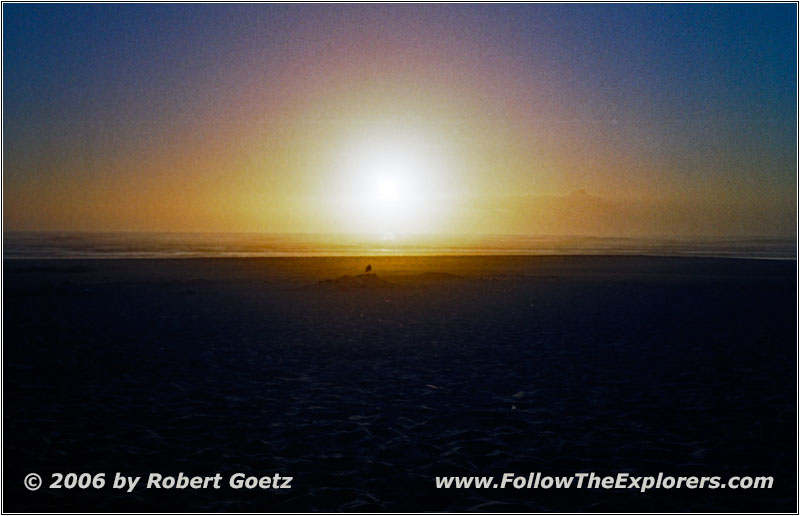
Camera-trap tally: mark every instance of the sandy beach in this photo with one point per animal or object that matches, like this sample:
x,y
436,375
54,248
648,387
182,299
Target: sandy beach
x,y
366,387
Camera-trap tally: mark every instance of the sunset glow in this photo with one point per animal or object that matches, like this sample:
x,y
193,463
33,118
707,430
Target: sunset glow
x,y
376,249
432,119
391,183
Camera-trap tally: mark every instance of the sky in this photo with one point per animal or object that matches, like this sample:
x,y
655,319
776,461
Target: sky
x,y
531,119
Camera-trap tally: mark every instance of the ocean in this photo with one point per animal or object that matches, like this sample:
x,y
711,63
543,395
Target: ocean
x,y
44,245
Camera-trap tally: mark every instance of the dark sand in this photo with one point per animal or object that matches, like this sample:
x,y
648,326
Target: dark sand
x,y
364,389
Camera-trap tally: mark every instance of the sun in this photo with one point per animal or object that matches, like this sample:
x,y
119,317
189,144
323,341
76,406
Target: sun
x,y
384,168
388,173
387,190
390,182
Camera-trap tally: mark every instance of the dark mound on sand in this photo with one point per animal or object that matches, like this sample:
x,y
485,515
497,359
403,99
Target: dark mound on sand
x,y
424,278
362,281
436,276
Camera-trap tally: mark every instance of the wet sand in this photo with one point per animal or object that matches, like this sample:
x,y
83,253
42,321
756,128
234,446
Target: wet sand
x,y
364,388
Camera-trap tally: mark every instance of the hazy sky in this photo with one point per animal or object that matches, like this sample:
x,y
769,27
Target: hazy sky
x,y
630,119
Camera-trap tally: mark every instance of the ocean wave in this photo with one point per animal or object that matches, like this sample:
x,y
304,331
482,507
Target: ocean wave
x,y
43,245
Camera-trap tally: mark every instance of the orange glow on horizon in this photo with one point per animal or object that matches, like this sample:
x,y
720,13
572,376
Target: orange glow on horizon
x,y
384,128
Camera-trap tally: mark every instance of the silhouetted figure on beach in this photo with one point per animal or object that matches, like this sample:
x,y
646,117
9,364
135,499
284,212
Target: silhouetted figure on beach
x,y
369,268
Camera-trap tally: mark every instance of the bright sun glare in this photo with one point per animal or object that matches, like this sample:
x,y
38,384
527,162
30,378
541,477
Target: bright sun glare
x,y
388,190
383,170
392,184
